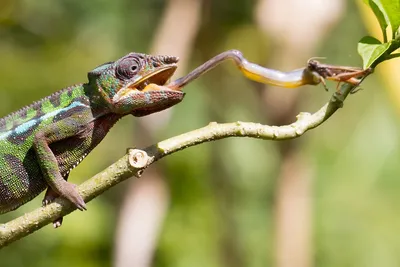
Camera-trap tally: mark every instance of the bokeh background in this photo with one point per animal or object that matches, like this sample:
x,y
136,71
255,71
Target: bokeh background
x,y
329,198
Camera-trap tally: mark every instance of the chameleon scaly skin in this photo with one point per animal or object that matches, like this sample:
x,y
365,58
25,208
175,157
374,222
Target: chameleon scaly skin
x,y
41,143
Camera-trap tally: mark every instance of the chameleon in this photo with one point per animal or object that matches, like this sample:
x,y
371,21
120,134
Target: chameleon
x,y
41,143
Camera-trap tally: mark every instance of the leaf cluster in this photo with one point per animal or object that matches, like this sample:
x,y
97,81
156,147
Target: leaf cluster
x,y
374,51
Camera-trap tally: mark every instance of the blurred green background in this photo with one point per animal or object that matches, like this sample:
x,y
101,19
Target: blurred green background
x,y
329,198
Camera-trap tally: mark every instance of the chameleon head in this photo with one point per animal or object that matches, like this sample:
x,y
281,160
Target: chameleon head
x,y
135,84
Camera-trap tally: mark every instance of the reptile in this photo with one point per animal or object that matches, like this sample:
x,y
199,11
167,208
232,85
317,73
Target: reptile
x,y
41,143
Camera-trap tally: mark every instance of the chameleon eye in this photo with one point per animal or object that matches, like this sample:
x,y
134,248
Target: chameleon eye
x,y
128,67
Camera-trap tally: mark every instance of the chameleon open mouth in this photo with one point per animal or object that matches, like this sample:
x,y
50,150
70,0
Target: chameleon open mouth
x,y
159,77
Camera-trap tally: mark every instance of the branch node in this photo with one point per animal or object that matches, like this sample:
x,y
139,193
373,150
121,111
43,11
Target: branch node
x,y
275,132
139,173
2,228
338,99
302,122
138,159
303,116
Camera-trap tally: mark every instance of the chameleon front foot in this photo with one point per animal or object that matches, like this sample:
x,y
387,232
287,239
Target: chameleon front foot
x,y
49,197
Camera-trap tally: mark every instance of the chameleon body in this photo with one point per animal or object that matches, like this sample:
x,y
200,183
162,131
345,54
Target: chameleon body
x,y
41,143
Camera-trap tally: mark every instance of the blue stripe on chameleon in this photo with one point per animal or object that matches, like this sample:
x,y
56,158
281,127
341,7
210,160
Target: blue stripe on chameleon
x,y
31,123
25,126
55,112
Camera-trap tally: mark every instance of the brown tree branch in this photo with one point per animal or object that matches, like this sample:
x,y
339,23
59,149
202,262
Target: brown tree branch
x,y
135,161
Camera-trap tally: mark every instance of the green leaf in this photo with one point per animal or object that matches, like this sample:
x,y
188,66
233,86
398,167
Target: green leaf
x,y
387,13
371,49
378,11
392,10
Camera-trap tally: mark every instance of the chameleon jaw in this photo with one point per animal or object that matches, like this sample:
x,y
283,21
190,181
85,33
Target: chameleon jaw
x,y
159,77
151,82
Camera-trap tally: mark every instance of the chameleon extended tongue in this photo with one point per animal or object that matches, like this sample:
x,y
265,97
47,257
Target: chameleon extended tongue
x,y
174,85
177,84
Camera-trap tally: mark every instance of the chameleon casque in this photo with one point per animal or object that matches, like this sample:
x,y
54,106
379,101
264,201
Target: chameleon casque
x,y
41,143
